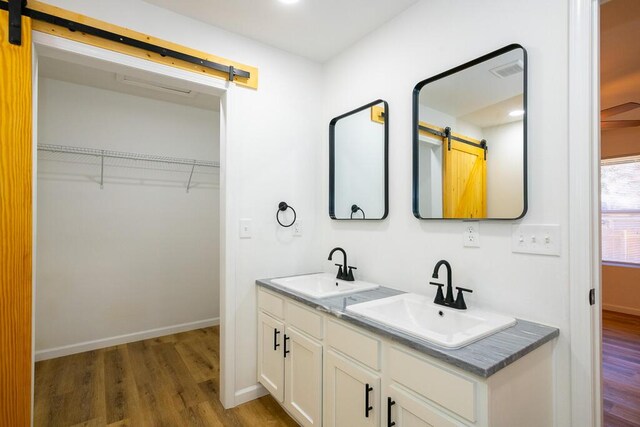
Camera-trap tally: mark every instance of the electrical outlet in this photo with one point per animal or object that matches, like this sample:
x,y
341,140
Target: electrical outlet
x,y
245,228
297,229
471,235
536,239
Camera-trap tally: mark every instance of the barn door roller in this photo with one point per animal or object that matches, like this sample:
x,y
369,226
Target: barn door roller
x,y
18,8
15,21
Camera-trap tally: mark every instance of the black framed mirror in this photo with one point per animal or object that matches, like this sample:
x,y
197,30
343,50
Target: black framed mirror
x,y
470,139
359,163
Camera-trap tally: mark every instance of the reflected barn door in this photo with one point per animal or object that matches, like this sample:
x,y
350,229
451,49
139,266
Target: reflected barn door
x,y
15,226
464,181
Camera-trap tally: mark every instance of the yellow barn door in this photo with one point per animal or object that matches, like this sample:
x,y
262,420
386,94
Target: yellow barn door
x,y
464,181
15,226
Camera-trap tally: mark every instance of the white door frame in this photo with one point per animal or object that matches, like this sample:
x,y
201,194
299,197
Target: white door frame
x,y
584,212
203,83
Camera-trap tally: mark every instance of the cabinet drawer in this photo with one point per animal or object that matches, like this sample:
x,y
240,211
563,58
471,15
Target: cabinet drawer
x,y
304,320
271,304
456,393
354,344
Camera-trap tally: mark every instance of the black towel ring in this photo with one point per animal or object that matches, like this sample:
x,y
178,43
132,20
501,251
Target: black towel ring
x,y
283,206
356,208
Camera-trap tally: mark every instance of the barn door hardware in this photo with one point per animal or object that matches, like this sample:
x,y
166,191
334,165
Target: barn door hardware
x,y
15,21
447,134
17,8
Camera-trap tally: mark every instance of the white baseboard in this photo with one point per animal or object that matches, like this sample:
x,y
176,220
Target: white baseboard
x,y
250,393
621,309
66,350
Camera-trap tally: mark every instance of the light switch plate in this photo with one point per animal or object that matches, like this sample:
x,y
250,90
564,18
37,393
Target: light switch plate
x,y
245,228
542,239
297,229
471,235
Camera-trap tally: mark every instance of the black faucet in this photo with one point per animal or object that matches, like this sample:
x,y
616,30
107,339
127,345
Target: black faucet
x,y
343,274
448,300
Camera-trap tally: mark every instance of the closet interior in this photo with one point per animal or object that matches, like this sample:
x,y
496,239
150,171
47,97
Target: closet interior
x,y
128,197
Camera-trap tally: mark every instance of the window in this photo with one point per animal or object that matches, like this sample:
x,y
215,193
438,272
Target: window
x,y
621,210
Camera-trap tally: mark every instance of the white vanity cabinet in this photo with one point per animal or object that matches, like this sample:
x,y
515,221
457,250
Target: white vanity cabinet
x,y
290,356
270,357
336,374
351,393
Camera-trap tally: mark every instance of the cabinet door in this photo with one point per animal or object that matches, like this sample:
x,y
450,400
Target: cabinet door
x,y
405,410
270,360
303,378
348,388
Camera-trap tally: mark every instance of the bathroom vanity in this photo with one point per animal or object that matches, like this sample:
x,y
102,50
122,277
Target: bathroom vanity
x,y
329,366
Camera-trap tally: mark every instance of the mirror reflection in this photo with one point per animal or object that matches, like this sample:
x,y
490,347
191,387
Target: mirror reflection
x,y
469,140
358,165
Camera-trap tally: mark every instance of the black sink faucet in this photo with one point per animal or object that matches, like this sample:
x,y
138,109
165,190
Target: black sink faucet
x,y
448,300
345,273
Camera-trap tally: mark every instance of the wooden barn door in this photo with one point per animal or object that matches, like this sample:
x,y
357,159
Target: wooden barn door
x,y
464,181
15,226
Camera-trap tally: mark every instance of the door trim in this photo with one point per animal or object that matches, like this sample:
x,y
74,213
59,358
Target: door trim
x,y
584,212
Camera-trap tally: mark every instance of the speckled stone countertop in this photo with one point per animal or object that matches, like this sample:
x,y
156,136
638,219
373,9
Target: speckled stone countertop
x,y
483,358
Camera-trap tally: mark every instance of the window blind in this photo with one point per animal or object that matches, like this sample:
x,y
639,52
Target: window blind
x,y
620,181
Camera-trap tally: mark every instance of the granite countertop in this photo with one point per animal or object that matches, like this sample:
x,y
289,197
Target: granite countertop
x,y
483,358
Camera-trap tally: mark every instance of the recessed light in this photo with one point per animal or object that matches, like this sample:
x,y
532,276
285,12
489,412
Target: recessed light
x,y
289,1
516,113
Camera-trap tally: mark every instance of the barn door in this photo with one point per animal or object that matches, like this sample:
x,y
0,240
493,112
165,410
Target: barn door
x,y
15,226
465,181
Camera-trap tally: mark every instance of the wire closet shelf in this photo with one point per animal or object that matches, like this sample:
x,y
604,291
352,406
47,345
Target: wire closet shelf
x,y
125,159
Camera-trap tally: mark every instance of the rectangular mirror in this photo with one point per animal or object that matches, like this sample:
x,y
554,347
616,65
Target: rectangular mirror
x,y
358,163
470,140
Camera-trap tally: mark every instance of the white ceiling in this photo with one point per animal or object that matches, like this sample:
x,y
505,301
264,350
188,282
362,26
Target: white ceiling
x,y
476,95
316,29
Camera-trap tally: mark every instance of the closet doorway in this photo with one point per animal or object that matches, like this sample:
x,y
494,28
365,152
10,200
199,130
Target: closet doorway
x,y
127,239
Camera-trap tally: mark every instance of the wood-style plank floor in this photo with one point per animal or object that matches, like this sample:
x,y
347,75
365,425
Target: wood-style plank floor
x,y
621,369
167,381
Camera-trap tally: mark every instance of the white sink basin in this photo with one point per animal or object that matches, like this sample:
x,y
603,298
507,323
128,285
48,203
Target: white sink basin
x,y
323,285
418,316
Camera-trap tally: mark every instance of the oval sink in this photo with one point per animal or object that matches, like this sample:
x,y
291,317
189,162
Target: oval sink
x,y
323,285
418,316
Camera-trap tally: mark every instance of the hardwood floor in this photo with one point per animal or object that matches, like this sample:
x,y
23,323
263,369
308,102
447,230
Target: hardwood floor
x,y
167,381
621,369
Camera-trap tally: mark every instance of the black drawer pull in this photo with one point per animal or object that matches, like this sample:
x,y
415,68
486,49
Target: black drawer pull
x,y
390,403
367,407
275,339
286,338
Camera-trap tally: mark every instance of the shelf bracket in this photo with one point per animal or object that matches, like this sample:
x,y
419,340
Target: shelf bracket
x,y
102,170
191,175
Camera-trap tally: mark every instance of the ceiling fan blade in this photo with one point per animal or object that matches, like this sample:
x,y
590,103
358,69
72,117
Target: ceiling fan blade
x,y
618,109
618,124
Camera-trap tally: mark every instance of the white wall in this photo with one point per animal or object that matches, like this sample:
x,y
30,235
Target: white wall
x,y
140,254
504,170
401,251
359,166
274,143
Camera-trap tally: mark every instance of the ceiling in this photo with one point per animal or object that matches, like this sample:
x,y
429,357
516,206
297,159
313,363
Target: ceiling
x,y
620,55
81,74
315,29
476,95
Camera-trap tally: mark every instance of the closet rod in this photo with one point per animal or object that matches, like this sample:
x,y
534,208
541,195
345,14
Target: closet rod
x,y
122,155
